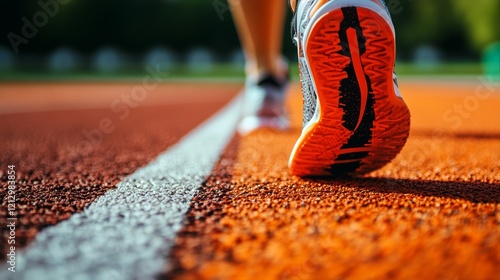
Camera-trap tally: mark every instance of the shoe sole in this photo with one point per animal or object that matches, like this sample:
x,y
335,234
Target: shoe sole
x,y
360,123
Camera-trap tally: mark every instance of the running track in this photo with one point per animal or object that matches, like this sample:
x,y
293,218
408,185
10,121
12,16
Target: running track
x,y
218,206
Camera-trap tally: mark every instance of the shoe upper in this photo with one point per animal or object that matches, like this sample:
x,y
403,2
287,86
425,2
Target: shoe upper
x,y
264,103
265,97
299,24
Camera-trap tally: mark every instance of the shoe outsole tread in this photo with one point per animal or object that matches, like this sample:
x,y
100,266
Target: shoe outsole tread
x,y
342,142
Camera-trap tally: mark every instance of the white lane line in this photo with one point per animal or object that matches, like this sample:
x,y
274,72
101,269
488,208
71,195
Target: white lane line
x,y
128,232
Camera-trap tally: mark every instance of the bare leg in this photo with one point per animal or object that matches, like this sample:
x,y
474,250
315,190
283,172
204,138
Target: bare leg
x,y
260,27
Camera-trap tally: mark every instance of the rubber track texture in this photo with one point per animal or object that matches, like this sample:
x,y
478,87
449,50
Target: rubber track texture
x,y
57,179
432,213
362,124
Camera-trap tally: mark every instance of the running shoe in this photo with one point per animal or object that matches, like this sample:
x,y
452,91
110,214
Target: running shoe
x,y
264,104
355,120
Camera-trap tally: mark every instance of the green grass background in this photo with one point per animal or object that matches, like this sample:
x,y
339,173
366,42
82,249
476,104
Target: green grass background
x,y
221,71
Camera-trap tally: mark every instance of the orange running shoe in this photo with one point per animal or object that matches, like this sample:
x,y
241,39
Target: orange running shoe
x,y
355,120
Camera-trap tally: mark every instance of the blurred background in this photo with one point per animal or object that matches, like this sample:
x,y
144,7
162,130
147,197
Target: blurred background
x,y
71,39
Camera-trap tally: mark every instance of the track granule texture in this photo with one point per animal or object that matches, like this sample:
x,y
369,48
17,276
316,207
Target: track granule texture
x,y
60,170
432,213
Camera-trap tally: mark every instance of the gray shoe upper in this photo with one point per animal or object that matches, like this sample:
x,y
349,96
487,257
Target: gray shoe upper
x,y
265,97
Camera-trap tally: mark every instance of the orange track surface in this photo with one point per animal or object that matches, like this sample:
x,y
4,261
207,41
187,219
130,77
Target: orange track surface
x,y
432,213
60,170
